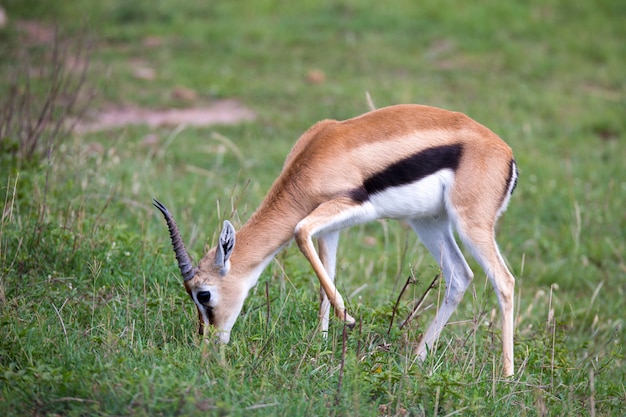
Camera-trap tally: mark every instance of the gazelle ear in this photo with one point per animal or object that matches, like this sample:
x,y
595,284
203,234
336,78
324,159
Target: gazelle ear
x,y
225,248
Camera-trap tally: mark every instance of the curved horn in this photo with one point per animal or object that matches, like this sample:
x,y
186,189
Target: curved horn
x,y
184,261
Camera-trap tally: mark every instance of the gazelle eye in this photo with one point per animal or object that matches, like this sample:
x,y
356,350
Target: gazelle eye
x,y
203,297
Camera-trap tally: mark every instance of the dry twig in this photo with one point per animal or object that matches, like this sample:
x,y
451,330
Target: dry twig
x,y
419,302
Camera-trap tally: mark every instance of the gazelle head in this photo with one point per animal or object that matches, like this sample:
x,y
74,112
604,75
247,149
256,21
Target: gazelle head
x,y
218,298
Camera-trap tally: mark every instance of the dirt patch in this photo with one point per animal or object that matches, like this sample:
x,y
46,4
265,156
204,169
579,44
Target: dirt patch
x,y
225,112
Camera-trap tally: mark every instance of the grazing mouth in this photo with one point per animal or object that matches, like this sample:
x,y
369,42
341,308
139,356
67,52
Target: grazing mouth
x,y
207,314
210,315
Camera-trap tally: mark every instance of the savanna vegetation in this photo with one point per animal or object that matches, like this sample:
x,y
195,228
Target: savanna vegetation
x,y
93,317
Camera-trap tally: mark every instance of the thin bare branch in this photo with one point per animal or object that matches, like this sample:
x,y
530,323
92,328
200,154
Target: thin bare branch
x,y
419,302
410,280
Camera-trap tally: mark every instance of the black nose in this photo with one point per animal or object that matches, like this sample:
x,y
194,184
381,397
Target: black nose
x,y
203,297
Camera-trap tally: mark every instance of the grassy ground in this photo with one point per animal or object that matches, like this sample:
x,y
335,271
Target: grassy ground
x,y
94,320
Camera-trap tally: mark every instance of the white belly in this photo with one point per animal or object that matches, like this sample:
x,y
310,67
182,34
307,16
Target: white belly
x,y
424,198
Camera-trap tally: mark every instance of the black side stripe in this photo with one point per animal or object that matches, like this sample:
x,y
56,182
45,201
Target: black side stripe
x,y
411,169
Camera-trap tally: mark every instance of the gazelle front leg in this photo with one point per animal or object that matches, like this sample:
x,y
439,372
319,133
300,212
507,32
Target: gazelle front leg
x,y
329,217
305,244
327,247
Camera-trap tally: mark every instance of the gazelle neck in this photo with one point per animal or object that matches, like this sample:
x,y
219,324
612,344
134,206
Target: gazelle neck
x,y
268,230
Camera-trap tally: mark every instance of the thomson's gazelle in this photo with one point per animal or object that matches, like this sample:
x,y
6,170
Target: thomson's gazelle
x,y
435,169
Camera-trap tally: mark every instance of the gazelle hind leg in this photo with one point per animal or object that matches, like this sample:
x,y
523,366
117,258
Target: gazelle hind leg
x,y
437,236
327,247
480,240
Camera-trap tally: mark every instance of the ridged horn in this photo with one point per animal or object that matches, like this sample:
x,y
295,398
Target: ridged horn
x,y
184,261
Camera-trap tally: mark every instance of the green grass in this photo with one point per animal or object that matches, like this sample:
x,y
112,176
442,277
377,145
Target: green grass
x,y
94,319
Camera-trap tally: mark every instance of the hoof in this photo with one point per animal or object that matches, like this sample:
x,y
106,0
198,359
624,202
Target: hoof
x,y
349,321
346,318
